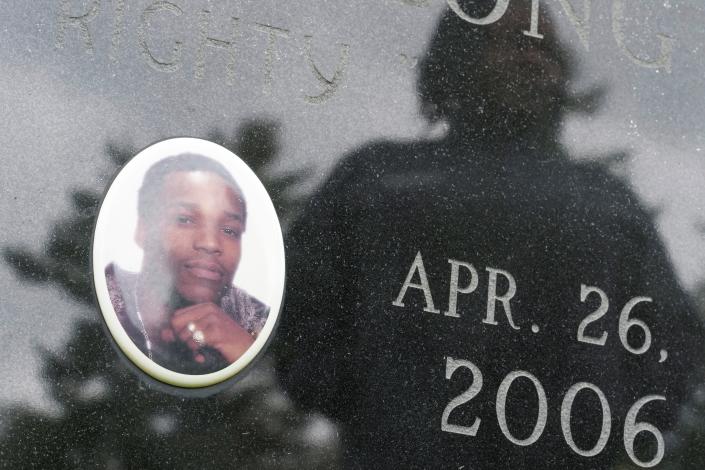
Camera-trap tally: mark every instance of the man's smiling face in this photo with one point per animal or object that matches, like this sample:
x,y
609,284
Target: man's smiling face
x,y
192,238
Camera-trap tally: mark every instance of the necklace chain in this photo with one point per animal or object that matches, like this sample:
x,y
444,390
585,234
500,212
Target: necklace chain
x,y
143,329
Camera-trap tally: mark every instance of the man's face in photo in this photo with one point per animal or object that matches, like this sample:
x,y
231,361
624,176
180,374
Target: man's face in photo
x,y
192,237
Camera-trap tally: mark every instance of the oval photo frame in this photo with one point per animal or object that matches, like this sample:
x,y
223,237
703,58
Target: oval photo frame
x,y
251,294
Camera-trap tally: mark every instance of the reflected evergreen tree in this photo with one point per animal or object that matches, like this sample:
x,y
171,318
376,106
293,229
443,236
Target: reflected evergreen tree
x,y
107,417
257,143
65,260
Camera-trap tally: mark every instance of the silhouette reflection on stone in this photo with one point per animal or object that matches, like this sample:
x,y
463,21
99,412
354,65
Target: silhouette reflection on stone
x,y
497,191
107,417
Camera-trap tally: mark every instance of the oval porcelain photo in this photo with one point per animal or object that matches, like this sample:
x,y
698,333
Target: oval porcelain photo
x,y
188,262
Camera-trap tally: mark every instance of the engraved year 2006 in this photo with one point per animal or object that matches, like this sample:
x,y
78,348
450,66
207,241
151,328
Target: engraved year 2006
x,y
631,427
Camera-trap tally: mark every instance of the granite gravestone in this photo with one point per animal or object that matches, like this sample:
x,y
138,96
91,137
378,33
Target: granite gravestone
x,y
493,223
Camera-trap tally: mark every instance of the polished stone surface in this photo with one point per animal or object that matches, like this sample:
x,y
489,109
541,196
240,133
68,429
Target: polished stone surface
x,y
494,231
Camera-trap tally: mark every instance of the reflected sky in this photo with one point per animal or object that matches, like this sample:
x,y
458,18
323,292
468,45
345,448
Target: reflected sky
x,y
64,104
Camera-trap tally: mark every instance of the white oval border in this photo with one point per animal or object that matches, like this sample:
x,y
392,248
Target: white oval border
x,y
240,170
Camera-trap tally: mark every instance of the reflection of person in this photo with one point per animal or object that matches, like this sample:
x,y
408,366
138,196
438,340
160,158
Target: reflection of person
x,y
500,191
182,309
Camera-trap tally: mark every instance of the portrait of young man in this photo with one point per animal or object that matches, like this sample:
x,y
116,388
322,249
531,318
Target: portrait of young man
x,y
182,309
